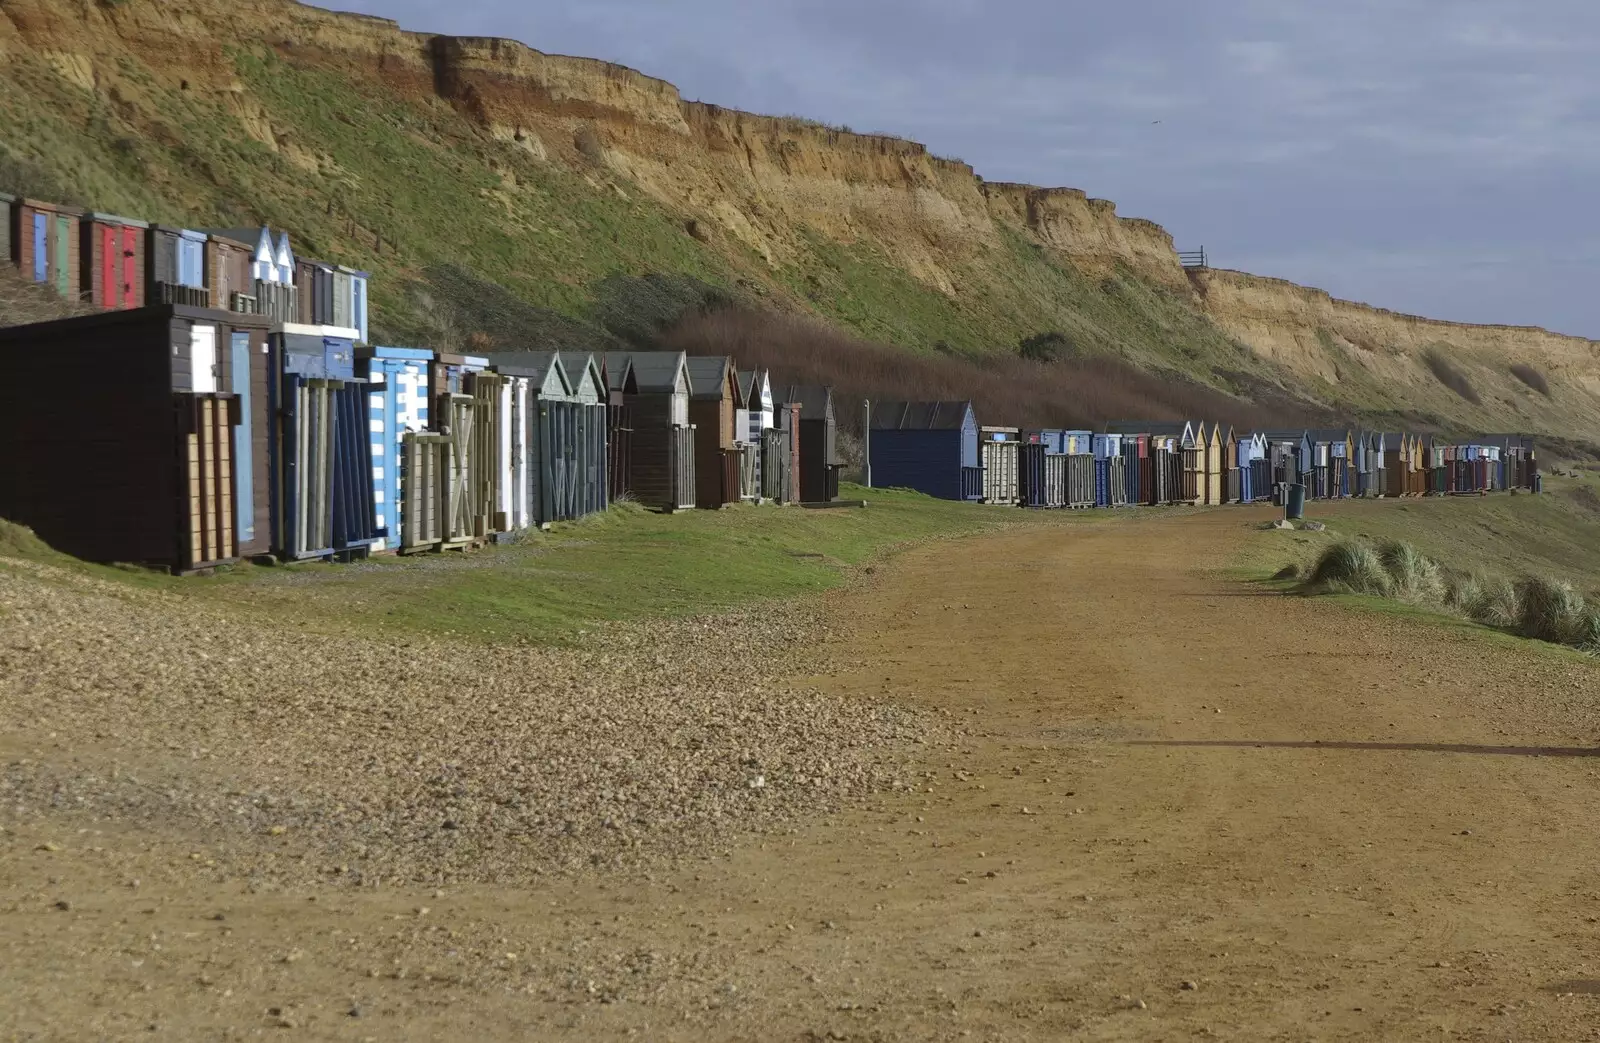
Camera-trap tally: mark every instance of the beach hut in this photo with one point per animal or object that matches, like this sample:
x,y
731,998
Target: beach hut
x,y
1396,463
1041,470
1215,441
1110,471
617,370
175,267
323,503
404,453
780,460
715,400
1255,479
313,282
155,452
1163,465
228,278
663,451
931,447
819,441
46,244
584,428
760,417
350,298
111,256
999,447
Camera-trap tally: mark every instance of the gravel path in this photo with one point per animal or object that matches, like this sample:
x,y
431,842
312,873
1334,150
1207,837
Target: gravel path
x,y
295,755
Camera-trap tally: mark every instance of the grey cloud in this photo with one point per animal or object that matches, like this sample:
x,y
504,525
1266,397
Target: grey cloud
x,y
1380,149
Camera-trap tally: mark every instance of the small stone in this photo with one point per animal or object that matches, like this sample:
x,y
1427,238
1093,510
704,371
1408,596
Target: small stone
x,y
277,831
293,956
48,846
962,880
354,1012
1141,1004
1188,986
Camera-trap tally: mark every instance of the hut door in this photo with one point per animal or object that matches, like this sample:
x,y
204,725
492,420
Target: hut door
x,y
41,248
203,359
130,268
64,256
109,296
207,489
244,499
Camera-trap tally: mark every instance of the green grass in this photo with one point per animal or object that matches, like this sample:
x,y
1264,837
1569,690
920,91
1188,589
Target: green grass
x,y
626,564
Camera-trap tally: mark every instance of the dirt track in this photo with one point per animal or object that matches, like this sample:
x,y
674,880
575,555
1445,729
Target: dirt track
x,y
1137,765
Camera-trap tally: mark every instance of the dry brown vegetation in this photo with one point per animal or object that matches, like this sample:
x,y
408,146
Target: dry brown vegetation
x,y
1070,392
1531,377
23,302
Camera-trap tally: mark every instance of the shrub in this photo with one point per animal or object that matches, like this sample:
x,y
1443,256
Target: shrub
x,y
1463,590
1047,347
1550,611
1447,374
1531,377
1588,635
1412,575
1352,567
1496,603
1289,571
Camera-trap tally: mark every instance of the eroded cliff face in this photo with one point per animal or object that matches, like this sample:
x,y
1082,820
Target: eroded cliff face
x,y
758,187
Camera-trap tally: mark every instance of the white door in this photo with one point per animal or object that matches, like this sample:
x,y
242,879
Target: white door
x,y
203,359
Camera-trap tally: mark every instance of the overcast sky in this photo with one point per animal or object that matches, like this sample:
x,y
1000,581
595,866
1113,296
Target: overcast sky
x,y
1432,156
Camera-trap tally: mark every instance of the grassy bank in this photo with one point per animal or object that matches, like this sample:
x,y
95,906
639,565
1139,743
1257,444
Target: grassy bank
x,y
548,587
1557,533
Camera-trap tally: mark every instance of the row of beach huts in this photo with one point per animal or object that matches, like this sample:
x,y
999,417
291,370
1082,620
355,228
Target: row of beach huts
x,y
227,403
1131,463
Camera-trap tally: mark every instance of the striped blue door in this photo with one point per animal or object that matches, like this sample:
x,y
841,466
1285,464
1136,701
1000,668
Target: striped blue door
x,y
41,248
244,490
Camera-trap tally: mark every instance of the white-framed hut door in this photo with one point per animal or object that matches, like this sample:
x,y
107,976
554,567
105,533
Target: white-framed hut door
x,y
203,359
521,515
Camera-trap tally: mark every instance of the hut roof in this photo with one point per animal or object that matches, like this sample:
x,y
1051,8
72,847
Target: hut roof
x,y
920,416
708,376
527,364
618,368
656,371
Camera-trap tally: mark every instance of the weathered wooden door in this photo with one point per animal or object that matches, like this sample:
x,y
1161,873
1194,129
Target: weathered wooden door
x,y
207,492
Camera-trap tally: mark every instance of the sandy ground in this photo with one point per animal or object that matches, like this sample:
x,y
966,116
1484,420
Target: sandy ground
x,y
1160,805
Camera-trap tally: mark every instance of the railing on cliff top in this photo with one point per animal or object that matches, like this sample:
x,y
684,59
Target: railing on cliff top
x,y
1193,258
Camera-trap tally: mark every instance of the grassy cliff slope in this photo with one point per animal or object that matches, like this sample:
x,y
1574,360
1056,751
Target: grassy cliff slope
x,y
502,195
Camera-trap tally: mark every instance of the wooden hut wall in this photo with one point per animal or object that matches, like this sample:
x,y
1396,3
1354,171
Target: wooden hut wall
x,y
321,445
658,454
1216,472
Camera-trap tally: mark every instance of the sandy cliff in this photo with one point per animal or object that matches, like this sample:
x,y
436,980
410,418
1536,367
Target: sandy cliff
x,y
763,192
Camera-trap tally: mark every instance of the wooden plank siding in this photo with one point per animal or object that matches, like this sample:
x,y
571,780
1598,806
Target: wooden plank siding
x,y
228,274
48,245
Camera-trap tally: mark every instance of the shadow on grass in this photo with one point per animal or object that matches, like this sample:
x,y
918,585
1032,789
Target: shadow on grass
x,y
1403,747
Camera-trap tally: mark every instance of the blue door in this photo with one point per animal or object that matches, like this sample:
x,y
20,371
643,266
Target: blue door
x,y
41,248
358,316
244,487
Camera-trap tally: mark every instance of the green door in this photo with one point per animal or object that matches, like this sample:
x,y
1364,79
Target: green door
x,y
63,255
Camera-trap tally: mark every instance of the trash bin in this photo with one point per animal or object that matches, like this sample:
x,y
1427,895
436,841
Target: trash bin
x,y
1295,507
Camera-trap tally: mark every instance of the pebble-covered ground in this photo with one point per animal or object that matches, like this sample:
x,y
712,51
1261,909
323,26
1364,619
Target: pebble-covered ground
x,y
360,759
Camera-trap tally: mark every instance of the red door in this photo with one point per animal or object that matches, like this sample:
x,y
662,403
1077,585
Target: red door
x,y
106,294
130,267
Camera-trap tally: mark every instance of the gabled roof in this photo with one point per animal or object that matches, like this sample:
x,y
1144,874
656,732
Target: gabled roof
x,y
814,399
113,219
618,367
657,372
710,377
534,364
581,366
920,416
1286,436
